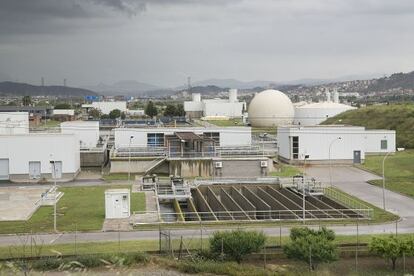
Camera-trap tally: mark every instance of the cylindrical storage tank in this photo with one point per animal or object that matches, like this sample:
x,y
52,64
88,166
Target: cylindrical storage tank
x,y
328,95
336,96
316,113
270,108
196,97
233,95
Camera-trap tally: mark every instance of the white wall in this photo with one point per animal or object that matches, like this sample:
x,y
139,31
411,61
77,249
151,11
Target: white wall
x,y
314,116
14,123
373,141
20,149
229,136
87,132
69,112
220,108
193,106
107,107
315,142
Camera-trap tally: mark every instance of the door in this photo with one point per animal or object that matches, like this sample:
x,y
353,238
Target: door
x,y
4,169
57,169
357,157
34,170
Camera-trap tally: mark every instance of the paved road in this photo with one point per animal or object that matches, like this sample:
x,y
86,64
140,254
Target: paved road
x,y
349,179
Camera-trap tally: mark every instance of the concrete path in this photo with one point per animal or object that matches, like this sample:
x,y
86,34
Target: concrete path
x,y
353,181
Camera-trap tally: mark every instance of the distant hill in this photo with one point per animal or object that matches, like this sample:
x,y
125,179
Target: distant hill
x,y
233,83
395,81
8,88
399,117
125,87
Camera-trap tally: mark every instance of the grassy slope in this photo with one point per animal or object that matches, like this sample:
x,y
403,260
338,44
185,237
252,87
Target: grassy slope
x,y
399,117
399,171
225,123
81,208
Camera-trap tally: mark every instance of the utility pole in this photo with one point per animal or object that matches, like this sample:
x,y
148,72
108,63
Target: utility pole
x,y
129,159
383,180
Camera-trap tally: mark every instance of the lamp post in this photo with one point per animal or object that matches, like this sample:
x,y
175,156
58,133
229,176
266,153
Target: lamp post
x,y
330,161
303,189
383,180
129,159
53,164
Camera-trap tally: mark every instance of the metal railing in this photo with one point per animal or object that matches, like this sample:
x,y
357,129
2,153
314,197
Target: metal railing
x,y
259,216
348,201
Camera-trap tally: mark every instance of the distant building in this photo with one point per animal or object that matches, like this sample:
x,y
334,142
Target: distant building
x,y
230,108
106,107
332,143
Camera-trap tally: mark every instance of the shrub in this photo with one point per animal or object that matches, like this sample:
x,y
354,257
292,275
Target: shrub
x,y
311,246
236,244
46,264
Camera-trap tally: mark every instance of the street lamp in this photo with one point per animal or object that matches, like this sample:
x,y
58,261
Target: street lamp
x,y
53,164
330,161
383,180
129,159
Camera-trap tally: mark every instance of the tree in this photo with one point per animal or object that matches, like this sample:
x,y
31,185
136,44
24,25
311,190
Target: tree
x,y
311,246
151,109
94,113
27,100
63,106
170,110
115,114
180,110
237,243
391,248
123,115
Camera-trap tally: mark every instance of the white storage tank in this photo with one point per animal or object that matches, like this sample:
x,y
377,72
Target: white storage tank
x,y
196,97
233,95
271,108
117,203
316,113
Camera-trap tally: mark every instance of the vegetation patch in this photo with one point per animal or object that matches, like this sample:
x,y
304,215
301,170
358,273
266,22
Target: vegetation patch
x,y
398,117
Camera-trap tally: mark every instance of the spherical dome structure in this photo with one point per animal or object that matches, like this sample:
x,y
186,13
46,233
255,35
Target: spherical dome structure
x,y
316,113
270,108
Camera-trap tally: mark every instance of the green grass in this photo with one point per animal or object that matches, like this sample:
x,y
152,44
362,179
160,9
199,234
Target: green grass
x,y
399,117
50,123
226,123
80,208
399,171
286,171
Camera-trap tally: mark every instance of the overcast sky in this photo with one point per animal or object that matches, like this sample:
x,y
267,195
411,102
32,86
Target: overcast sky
x,y
163,41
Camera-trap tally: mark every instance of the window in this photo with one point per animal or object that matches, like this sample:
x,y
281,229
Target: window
x,y
384,144
295,147
213,135
155,139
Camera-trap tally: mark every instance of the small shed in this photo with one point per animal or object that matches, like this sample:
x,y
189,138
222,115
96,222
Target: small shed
x,y
117,203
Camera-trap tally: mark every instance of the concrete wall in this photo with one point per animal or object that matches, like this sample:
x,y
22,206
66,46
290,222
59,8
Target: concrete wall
x,y
93,158
107,107
218,208
202,205
262,207
223,108
373,141
190,168
137,166
247,167
235,210
243,202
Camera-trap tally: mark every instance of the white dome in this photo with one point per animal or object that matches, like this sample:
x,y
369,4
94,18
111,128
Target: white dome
x,y
316,113
270,108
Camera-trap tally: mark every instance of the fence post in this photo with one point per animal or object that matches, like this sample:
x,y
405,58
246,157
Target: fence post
x,y
310,258
280,233
201,235
119,239
264,257
222,249
76,246
357,247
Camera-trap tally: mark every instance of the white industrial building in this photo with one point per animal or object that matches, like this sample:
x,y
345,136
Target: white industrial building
x,y
14,123
315,113
87,132
270,108
210,108
147,137
107,107
33,157
117,203
332,143
69,112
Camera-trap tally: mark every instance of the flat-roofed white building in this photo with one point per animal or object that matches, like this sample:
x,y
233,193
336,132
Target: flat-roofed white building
x,y
332,143
87,132
14,123
68,112
34,157
145,137
107,107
